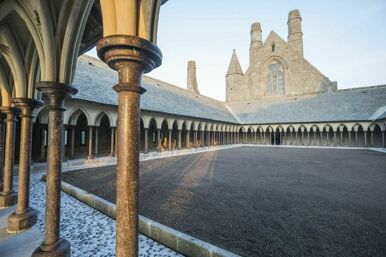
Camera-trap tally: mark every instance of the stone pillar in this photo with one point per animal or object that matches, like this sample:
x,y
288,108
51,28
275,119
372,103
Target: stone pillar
x,y
371,138
146,140
1,151
335,138
42,143
24,217
356,138
179,139
187,143
112,142
90,140
365,133
53,245
8,196
170,140
158,140
349,138
383,139
96,141
73,128
131,57
321,138
341,138
274,138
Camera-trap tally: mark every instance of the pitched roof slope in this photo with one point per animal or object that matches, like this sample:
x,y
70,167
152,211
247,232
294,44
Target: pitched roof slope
x,y
367,103
94,80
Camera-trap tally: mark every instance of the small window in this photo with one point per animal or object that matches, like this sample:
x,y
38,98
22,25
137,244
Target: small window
x,y
83,137
273,47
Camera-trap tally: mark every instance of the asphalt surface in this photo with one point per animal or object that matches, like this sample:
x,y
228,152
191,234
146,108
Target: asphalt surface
x,y
257,201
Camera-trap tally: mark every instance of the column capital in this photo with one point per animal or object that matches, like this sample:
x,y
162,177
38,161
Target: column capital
x,y
26,106
131,56
10,113
55,93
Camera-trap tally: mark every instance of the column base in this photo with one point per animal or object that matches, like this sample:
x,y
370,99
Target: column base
x,y
23,221
90,157
8,199
61,249
112,155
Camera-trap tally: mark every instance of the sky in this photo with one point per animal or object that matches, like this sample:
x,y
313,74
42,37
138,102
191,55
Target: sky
x,y
345,39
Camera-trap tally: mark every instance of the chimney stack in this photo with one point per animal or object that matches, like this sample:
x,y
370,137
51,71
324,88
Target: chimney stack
x,y
192,78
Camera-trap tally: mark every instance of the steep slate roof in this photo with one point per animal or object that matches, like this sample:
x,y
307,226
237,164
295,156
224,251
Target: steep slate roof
x,y
94,80
367,103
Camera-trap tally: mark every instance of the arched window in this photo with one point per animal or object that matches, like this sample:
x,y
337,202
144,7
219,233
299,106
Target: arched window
x,y
275,80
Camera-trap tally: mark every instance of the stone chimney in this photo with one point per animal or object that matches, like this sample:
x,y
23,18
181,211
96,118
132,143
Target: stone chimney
x,y
295,34
192,78
256,42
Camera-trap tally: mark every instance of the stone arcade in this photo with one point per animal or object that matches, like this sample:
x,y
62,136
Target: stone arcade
x,y
281,99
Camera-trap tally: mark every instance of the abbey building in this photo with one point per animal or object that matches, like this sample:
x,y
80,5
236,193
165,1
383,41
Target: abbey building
x,y
277,67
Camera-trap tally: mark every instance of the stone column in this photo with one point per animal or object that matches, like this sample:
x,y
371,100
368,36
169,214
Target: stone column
x,y
356,138
321,138
170,140
341,138
1,151
42,143
187,139
146,140
8,196
24,217
365,138
73,128
90,140
158,140
371,138
55,94
131,57
179,140
96,141
349,138
195,139
112,143
383,139
335,138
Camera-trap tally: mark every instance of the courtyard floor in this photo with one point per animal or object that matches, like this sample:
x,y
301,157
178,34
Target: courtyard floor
x,y
264,201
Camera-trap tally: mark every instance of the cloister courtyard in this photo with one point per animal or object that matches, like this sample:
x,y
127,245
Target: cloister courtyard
x,y
263,201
